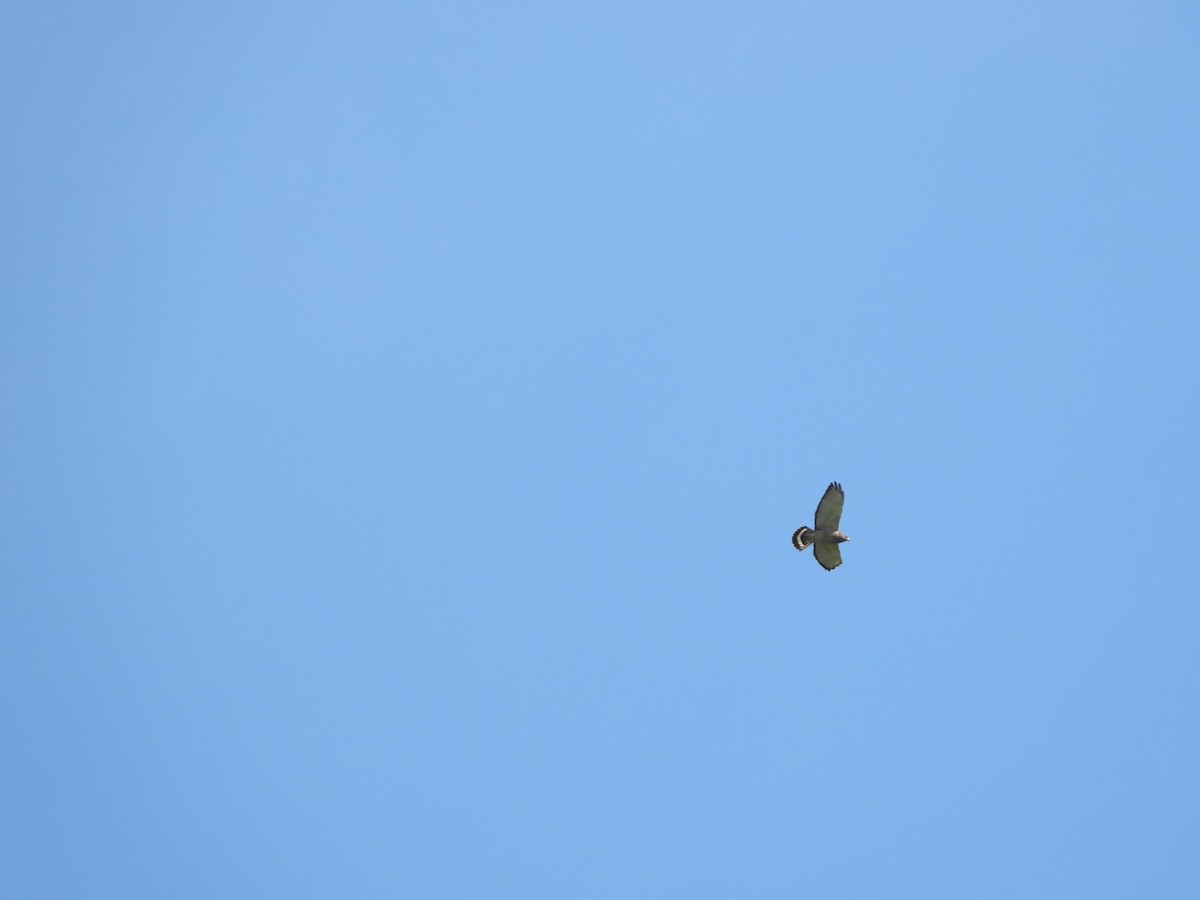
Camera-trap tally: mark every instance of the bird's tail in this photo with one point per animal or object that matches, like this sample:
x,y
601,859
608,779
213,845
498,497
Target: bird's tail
x,y
802,538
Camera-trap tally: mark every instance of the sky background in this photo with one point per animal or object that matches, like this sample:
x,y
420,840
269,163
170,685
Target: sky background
x,y
406,408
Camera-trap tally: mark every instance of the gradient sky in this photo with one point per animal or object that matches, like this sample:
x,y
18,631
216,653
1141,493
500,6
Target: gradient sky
x,y
407,407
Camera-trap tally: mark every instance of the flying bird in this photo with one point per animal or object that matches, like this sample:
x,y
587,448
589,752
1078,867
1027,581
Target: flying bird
x,y
825,537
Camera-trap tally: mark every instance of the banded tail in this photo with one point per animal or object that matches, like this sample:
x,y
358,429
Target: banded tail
x,y
802,538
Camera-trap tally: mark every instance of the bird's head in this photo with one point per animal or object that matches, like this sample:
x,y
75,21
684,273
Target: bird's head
x,y
840,538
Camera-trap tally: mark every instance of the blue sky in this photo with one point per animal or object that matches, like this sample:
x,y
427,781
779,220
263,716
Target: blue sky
x,y
407,408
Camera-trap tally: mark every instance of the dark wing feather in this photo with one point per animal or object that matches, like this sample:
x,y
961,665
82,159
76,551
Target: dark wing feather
x,y
828,555
829,510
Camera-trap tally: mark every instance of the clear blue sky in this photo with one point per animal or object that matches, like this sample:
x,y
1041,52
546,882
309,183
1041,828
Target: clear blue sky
x,y
407,407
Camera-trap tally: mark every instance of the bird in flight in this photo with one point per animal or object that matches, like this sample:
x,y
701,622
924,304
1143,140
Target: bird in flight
x,y
825,537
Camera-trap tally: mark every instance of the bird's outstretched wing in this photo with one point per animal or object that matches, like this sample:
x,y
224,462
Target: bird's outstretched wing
x,y
829,513
828,555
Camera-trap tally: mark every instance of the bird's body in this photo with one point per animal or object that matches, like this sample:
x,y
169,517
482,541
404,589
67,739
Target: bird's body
x,y
825,537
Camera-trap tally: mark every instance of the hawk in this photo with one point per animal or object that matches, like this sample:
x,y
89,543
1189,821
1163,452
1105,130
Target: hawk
x,y
825,537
